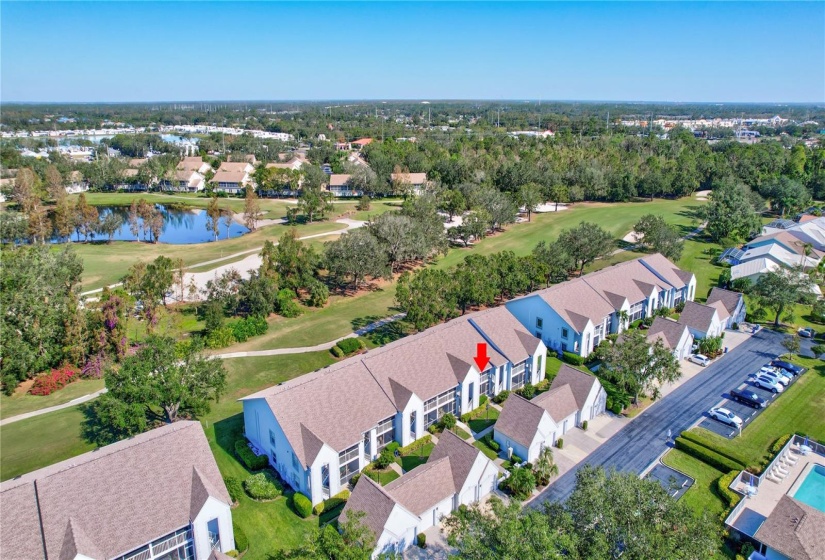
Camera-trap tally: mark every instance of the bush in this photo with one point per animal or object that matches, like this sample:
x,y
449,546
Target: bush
x,y
393,446
528,391
302,505
712,458
702,440
354,479
232,553
584,425
220,338
680,306
421,540
285,304
466,417
349,345
363,204
234,487
722,483
331,503
617,408
818,349
262,486
447,421
318,294
520,484
248,458
337,352
543,385
491,443
415,446
246,328
482,400
241,542
55,380
779,444
572,359
516,460
501,397
560,443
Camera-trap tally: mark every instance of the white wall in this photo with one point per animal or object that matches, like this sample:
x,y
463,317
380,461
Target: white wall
x,y
212,509
399,531
441,509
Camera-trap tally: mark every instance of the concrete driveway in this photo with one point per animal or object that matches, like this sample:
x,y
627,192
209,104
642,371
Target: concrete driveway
x,y
637,445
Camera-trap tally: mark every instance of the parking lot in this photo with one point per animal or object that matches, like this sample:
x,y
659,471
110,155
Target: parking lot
x,y
674,482
743,411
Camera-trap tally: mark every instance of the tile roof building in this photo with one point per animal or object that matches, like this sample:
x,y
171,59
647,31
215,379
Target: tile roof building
x,y
675,336
456,473
233,176
575,316
704,320
526,426
794,530
155,494
322,428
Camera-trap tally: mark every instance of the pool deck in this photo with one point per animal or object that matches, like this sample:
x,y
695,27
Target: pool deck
x,y
757,508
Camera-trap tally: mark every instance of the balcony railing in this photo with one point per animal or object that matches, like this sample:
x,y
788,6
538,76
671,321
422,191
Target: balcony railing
x,y
214,540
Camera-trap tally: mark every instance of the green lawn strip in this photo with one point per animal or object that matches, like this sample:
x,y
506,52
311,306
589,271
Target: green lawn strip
x,y
800,409
617,218
30,444
20,403
382,477
482,418
485,449
419,457
460,433
703,495
696,257
341,316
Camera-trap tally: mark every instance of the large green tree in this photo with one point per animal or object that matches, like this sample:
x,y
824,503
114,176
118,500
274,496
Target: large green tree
x,y
354,256
585,243
730,214
38,298
783,288
162,382
636,365
428,297
658,236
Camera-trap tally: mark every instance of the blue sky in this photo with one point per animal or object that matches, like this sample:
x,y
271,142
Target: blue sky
x,y
641,51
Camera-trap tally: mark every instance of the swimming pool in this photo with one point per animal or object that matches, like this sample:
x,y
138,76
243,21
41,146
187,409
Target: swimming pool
x,y
812,489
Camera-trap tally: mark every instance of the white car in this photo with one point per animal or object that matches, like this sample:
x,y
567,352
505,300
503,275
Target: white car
x,y
703,361
765,382
726,416
775,371
778,377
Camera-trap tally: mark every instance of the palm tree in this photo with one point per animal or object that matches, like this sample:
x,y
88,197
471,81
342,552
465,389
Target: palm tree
x,y
544,467
623,318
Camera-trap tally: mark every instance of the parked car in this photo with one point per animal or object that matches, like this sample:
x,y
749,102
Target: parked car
x,y
769,383
748,397
806,333
703,361
788,366
775,375
726,416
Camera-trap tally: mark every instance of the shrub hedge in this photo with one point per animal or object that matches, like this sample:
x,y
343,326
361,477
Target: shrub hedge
x,y
253,462
349,345
501,397
708,456
234,487
491,443
722,483
337,352
262,486
302,505
56,379
247,328
331,503
584,425
702,440
528,391
560,443
421,540
241,541
779,444
482,400
415,446
571,358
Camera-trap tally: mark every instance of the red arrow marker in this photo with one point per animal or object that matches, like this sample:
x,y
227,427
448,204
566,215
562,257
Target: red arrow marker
x,y
481,356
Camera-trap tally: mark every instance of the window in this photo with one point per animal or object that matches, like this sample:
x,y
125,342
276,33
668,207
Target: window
x,y
488,383
214,534
295,464
384,433
272,438
539,322
564,333
438,406
637,311
348,463
519,376
174,546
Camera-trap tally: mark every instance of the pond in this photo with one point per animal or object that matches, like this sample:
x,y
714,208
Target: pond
x,y
181,226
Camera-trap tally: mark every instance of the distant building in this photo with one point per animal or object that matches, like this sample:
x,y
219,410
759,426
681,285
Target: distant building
x,y
233,176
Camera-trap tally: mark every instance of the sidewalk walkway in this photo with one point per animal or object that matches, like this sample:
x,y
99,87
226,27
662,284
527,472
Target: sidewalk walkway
x,y
33,413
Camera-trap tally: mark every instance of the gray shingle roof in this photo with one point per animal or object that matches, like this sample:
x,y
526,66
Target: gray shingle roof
x,y
795,529
697,316
110,501
424,486
462,456
576,301
672,274
728,298
373,501
519,419
559,402
580,383
506,332
670,331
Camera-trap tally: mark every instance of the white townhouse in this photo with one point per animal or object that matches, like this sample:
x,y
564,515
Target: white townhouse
x,y
704,321
155,496
730,305
320,429
455,474
575,316
674,335
417,182
233,176
527,426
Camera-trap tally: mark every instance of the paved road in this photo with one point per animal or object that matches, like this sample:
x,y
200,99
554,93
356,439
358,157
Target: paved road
x,y
639,443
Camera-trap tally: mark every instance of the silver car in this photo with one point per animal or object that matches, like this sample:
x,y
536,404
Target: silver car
x,y
776,376
726,416
764,382
703,361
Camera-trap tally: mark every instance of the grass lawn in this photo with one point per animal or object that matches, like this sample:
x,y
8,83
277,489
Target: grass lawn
x,y
21,402
617,218
40,441
482,418
492,454
341,316
696,257
416,458
460,433
703,495
800,410
382,477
